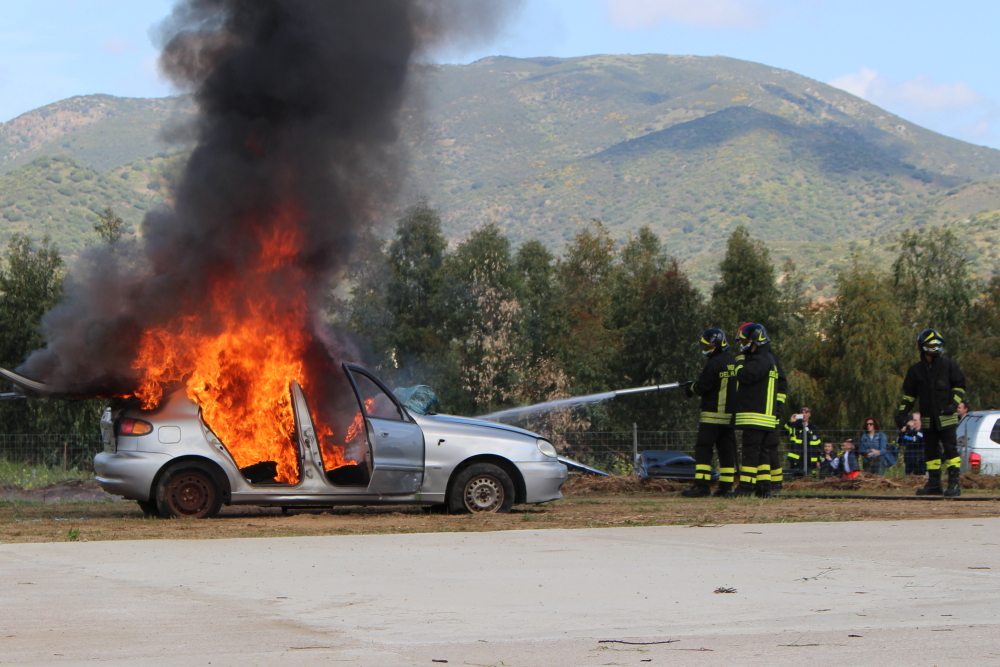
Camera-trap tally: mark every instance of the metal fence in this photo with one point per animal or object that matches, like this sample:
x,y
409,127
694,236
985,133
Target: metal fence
x,y
31,460
68,456
612,451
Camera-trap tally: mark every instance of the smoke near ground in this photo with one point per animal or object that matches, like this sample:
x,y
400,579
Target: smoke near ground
x,y
296,150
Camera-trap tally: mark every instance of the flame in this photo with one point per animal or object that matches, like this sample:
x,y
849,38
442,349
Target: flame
x,y
358,423
237,360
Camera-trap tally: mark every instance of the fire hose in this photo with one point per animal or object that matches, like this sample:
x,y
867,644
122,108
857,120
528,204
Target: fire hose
x,y
576,400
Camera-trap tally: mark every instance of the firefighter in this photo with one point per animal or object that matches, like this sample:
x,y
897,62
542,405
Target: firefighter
x,y
803,454
938,383
756,401
773,440
717,388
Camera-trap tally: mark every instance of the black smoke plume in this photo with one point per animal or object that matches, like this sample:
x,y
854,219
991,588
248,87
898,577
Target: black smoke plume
x,y
298,102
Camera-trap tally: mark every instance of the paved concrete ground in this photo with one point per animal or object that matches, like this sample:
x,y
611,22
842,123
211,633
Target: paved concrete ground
x,y
915,592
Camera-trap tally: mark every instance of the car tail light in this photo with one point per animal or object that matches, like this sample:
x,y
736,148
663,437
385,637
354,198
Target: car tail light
x,y
134,427
975,461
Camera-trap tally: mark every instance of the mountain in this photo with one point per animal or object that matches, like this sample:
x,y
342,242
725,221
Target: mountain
x,y
100,131
691,146
60,198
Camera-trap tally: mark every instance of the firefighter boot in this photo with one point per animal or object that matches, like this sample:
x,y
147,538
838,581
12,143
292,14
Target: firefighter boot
x,y
743,490
763,489
954,489
933,485
725,488
775,488
700,489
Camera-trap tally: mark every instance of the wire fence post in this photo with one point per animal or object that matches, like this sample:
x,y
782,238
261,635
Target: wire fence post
x,y
635,446
805,449
65,445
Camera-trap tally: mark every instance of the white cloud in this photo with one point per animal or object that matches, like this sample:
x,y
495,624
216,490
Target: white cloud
x,y
858,83
921,93
637,14
952,107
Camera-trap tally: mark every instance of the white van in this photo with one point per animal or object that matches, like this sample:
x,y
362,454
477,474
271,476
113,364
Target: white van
x,y
979,442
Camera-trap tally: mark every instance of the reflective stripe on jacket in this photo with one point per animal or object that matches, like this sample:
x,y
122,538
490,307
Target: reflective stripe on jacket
x,y
717,388
756,396
939,387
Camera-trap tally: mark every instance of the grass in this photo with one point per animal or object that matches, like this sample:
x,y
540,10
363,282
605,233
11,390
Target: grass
x,y
29,476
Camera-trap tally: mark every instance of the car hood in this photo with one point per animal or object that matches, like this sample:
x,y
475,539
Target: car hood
x,y
465,421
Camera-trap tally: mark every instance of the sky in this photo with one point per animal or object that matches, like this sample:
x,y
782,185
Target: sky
x,y
929,62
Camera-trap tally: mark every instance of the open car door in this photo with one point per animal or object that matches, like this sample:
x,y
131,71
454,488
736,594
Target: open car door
x,y
310,461
396,441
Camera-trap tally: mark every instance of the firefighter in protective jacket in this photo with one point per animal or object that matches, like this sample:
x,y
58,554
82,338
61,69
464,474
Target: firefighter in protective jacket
x,y
717,388
773,439
756,406
803,453
939,386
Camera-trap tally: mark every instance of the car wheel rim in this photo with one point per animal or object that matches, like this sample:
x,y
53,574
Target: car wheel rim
x,y
191,495
484,494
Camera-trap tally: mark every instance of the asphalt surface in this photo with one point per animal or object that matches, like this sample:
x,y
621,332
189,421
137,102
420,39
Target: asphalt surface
x,y
861,593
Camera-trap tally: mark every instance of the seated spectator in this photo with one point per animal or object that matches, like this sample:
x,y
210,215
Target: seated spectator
x,y
827,457
846,464
911,441
875,448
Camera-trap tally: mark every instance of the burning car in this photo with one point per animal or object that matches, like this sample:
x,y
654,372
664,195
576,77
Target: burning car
x,y
171,462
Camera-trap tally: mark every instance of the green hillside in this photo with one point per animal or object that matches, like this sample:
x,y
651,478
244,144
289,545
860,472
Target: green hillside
x,y
691,146
100,131
60,197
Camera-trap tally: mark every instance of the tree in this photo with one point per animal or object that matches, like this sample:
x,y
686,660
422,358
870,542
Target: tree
x,y
31,283
588,346
981,360
490,358
792,301
481,261
415,258
747,290
109,226
659,344
854,367
931,279
541,317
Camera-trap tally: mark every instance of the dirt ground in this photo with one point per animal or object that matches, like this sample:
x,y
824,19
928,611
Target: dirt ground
x,y
589,503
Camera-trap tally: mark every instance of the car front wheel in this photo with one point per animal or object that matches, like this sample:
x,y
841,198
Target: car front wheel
x,y
482,487
188,490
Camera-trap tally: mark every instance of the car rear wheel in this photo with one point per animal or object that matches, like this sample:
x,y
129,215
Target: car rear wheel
x,y
188,490
482,487
149,507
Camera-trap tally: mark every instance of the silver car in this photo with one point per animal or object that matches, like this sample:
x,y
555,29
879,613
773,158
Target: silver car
x,y
979,442
172,463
